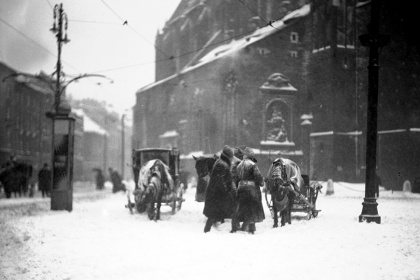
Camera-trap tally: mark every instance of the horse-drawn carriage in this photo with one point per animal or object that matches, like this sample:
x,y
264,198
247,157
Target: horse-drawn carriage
x,y
277,192
156,177
290,191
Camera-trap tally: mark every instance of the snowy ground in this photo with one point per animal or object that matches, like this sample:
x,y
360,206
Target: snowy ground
x,y
99,239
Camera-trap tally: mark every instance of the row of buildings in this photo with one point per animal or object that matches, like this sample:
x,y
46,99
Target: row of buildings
x,y
287,78
25,130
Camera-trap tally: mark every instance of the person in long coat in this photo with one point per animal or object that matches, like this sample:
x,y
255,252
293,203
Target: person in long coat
x,y
249,180
100,179
220,197
44,180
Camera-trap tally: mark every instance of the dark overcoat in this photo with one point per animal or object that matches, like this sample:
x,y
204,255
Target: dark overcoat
x,y
249,197
220,196
44,179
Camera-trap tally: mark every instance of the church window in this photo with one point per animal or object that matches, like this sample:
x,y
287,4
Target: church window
x,y
293,54
294,37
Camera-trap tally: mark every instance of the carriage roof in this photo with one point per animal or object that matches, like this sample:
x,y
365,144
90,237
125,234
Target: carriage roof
x,y
170,157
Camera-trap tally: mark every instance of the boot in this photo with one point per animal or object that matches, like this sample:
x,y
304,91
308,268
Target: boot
x,y
209,223
252,228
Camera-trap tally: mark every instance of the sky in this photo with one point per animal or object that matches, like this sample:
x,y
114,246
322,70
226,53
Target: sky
x,y
101,240
100,43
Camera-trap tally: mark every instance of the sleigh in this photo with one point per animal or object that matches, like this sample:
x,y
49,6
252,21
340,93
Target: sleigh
x,y
306,200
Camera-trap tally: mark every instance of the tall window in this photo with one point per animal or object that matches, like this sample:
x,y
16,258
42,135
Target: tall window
x,y
345,27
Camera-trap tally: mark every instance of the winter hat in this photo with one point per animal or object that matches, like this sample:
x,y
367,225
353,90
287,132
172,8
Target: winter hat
x,y
227,151
249,153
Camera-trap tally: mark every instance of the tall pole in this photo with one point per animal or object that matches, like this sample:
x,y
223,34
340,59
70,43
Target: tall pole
x,y
122,145
60,18
374,41
62,129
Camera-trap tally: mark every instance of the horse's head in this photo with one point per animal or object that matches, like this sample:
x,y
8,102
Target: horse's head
x,y
280,196
277,173
204,165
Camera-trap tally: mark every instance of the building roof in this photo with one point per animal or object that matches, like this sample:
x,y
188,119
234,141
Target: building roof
x,y
240,44
89,125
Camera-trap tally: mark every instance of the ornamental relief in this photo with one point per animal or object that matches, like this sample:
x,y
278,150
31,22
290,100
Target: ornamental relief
x,y
277,122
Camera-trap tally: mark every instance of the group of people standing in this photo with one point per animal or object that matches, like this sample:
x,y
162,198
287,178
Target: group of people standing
x,y
115,177
234,191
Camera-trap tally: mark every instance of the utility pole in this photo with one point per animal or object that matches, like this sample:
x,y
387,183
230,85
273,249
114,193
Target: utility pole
x,y
122,145
374,41
60,18
62,128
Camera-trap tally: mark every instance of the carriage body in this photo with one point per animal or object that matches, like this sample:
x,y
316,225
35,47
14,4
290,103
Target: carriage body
x,y
170,157
310,192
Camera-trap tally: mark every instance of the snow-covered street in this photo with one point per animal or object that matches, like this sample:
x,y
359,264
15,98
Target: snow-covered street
x,y
99,239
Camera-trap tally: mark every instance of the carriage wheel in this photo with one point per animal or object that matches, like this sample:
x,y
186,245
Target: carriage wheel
x,y
315,212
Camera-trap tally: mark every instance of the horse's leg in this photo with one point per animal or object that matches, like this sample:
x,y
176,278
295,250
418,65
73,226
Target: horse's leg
x,y
283,214
159,203
276,217
289,209
151,209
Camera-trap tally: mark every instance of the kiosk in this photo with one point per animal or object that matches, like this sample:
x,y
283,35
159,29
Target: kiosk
x,y
62,162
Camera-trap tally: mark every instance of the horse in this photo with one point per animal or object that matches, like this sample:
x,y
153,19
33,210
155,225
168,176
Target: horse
x,y
284,182
204,165
155,183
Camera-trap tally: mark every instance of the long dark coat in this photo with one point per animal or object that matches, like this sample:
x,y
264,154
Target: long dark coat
x,y
249,197
44,179
220,196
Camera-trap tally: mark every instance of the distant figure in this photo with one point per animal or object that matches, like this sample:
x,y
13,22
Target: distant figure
x,y
100,179
116,180
44,180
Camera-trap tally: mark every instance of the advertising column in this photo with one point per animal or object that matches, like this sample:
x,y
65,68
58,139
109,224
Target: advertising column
x,y
62,175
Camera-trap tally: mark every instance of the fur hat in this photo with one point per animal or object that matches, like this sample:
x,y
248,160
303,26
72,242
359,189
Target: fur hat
x,y
227,151
249,153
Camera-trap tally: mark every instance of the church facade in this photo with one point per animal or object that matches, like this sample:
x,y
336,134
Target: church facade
x,y
287,78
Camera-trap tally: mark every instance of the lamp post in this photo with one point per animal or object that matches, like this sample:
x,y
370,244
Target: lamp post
x,y
62,123
374,41
122,144
60,29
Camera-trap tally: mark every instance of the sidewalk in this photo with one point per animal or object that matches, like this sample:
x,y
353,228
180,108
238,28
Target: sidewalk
x,y
81,191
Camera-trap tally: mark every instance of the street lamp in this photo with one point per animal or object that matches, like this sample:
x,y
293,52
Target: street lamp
x,y
374,41
62,123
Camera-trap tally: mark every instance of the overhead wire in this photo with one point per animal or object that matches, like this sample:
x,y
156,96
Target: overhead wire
x,y
125,22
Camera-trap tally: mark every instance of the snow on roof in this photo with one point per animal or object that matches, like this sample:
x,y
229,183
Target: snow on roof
x,y
276,143
236,45
170,133
277,152
257,35
89,125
